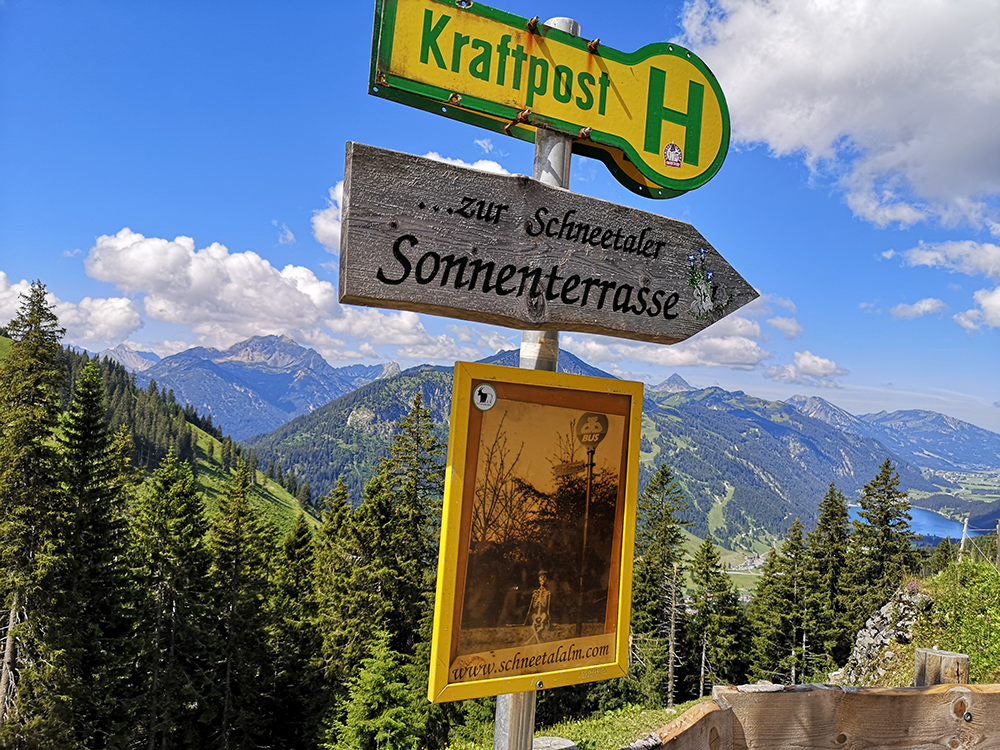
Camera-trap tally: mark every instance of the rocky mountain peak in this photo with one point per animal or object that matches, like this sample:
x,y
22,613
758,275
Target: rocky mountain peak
x,y
129,358
674,384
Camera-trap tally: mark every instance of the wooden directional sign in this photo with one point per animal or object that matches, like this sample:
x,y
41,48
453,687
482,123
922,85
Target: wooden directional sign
x,y
656,117
507,250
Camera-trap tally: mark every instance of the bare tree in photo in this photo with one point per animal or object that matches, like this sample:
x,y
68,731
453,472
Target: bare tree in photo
x,y
502,499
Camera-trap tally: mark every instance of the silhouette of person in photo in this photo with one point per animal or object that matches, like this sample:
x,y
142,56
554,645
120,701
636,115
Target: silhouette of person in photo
x,y
538,617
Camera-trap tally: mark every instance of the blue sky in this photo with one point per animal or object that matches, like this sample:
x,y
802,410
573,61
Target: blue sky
x,y
171,172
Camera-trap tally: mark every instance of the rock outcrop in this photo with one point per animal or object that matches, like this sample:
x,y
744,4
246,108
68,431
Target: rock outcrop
x,y
890,627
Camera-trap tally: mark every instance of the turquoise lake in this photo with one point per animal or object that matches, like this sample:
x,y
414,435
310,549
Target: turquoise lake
x,y
928,523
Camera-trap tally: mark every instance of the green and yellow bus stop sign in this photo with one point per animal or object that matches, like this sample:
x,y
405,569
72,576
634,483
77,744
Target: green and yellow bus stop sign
x,y
656,117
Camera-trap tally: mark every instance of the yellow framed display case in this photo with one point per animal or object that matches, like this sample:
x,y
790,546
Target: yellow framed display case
x,y
535,571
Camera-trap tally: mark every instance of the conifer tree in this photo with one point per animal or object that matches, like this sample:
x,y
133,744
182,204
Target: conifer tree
x,y
882,545
394,531
944,555
827,551
295,643
34,702
778,614
175,634
716,627
379,712
658,567
392,543
304,495
242,546
97,635
252,464
332,567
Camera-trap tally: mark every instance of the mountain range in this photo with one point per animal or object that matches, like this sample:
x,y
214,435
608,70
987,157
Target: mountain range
x,y
256,385
925,438
749,466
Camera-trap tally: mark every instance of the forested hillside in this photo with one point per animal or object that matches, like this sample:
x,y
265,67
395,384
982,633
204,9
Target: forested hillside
x,y
751,465
157,424
748,466
347,437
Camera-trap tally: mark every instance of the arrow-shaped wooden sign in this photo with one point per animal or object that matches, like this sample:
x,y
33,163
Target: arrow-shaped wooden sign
x,y
507,250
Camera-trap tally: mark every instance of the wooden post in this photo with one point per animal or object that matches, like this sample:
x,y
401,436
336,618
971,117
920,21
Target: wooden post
x,y
515,715
934,667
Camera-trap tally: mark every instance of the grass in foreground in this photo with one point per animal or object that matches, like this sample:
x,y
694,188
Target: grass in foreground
x,y
611,730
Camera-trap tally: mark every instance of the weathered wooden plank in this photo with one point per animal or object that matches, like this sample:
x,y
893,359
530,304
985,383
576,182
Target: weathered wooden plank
x,y
507,250
941,716
706,726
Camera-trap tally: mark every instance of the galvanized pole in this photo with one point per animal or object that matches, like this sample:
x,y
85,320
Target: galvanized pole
x,y
998,544
515,716
965,532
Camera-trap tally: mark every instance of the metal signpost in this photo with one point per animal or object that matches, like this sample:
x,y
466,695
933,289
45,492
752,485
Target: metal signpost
x,y
528,254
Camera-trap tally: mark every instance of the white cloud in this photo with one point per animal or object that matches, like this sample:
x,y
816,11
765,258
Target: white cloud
x,y
10,297
764,305
390,329
285,236
735,352
808,369
589,348
968,257
493,341
225,297
785,303
926,306
330,348
439,348
483,165
970,320
987,311
161,348
733,325
101,322
485,144
900,97
461,333
817,367
93,323
788,326
326,221
727,343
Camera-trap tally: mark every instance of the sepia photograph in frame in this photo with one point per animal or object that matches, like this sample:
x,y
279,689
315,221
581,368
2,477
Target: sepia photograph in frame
x,y
534,574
